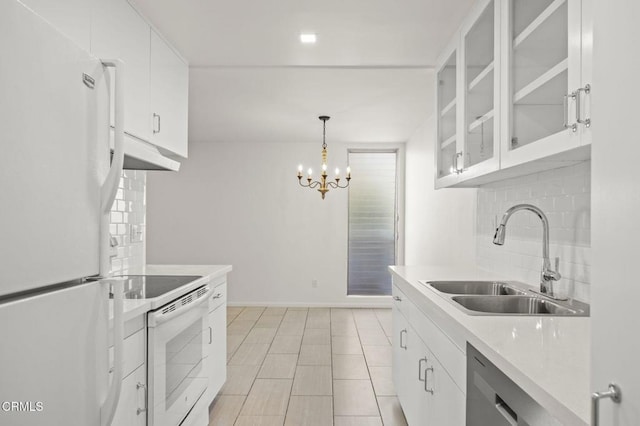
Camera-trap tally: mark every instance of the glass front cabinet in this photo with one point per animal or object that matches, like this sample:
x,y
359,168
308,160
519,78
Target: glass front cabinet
x,y
522,94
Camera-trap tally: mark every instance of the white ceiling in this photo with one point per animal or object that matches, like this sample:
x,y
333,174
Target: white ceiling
x,y
252,80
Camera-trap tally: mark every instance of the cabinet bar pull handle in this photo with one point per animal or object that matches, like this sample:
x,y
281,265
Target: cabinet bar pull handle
x,y
587,90
402,331
459,169
613,392
397,298
138,386
156,119
217,296
426,389
210,335
420,369
565,104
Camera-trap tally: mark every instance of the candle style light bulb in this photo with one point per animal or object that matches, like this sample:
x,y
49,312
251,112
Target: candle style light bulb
x,y
348,171
324,167
309,172
337,172
300,168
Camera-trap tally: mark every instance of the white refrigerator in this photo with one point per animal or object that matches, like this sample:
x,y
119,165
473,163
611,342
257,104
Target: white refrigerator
x,y
57,184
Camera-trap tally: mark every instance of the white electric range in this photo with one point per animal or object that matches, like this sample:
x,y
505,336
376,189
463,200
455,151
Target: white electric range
x,y
177,333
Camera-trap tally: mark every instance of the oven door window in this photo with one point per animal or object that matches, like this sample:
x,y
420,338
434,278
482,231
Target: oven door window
x,y
183,362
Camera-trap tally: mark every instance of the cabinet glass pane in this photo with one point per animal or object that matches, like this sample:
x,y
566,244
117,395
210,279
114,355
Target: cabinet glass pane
x,y
539,61
479,63
447,116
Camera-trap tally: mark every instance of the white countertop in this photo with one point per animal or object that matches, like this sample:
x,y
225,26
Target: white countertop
x,y
548,357
136,307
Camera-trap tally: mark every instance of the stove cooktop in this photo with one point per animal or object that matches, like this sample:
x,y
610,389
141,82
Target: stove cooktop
x,y
150,286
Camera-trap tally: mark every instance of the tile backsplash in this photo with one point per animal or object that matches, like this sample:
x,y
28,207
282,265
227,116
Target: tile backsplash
x,y
564,195
128,217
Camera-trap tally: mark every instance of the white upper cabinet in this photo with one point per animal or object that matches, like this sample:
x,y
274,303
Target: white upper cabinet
x,y
544,94
447,155
169,98
118,31
156,79
71,17
522,91
468,87
481,83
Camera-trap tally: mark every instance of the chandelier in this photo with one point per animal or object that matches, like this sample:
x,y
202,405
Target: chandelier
x,y
323,185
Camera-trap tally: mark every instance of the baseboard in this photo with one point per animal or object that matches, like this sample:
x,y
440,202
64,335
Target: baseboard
x,y
384,302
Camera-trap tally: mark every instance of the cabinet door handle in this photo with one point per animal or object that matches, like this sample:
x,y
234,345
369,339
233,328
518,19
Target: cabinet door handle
x,y
420,369
397,299
458,168
156,119
426,387
565,104
143,386
402,331
210,335
587,90
217,296
613,392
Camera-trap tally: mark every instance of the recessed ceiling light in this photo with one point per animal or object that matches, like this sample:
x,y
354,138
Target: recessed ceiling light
x,y
308,38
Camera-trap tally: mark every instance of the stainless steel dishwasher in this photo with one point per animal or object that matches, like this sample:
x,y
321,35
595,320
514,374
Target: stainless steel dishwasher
x,y
494,400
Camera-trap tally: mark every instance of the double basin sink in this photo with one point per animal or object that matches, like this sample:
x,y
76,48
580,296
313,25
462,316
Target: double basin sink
x,y
500,298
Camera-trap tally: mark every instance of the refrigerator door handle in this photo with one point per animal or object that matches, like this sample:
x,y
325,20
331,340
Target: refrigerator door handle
x,y
110,186
109,190
108,408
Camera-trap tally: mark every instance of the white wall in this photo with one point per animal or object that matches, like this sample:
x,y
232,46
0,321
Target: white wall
x,y
240,204
565,197
439,225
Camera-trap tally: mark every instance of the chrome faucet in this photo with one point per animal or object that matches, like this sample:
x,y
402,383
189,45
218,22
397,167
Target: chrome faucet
x,y
548,275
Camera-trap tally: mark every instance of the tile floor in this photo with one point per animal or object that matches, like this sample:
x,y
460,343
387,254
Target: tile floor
x,y
307,367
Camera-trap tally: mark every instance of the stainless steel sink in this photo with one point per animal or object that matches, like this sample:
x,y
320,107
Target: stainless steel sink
x,y
501,298
475,287
517,305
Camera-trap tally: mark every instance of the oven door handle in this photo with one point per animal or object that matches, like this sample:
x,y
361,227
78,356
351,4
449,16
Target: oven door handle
x,y
160,316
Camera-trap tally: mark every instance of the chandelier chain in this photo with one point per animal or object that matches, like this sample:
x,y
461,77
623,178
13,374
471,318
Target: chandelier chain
x,y
324,139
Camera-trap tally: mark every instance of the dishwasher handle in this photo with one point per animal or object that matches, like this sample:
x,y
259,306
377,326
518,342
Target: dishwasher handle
x,y
503,408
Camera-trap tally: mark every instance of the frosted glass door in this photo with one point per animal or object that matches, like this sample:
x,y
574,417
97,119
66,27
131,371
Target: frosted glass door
x,y
480,70
447,96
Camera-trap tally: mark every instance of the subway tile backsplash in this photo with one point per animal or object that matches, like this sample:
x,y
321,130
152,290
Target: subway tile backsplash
x,y
565,196
128,217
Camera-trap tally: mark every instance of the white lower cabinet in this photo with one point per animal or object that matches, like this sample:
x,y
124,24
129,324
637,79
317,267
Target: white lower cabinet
x,y
132,405
217,350
400,356
217,355
426,391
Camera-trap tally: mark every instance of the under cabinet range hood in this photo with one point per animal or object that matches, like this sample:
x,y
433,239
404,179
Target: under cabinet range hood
x,y
141,155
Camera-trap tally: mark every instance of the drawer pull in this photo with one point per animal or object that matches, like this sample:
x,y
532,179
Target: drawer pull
x,y
217,296
397,298
426,387
142,410
420,369
401,345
